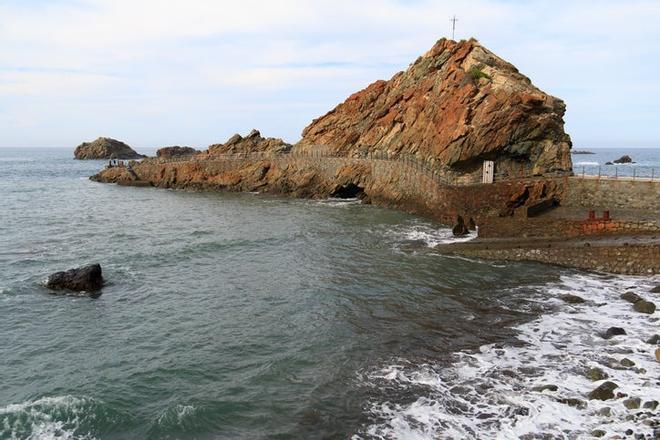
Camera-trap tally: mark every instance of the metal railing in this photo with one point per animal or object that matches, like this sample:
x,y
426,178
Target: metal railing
x,y
625,172
439,173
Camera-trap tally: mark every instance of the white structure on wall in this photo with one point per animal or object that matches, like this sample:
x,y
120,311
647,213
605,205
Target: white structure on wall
x,y
489,171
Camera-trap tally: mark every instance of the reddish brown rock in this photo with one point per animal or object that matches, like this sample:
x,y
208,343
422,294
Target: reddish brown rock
x,y
105,148
457,105
176,151
252,143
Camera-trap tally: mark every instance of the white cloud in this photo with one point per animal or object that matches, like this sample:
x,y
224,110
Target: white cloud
x,y
118,60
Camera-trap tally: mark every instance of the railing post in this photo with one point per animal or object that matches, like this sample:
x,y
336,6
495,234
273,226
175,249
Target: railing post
x,y
634,173
583,171
616,172
598,172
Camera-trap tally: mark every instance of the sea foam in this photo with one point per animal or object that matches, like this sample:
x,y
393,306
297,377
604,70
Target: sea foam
x,y
499,392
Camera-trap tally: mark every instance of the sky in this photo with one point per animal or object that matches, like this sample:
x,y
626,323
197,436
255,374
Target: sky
x,y
193,72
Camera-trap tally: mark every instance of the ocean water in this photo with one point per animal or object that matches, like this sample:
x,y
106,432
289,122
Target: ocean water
x,y
248,316
647,162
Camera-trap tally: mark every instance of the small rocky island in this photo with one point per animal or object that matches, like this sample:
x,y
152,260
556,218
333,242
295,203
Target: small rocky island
x,y
105,148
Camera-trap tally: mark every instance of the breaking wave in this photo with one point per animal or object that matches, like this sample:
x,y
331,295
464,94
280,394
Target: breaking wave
x,y
538,389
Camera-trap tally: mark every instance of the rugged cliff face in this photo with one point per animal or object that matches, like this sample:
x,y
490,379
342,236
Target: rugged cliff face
x,y
456,106
105,148
252,143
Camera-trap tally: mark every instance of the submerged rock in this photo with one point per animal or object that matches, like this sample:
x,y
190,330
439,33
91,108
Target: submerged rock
x,y
83,279
596,374
643,306
604,392
632,403
656,289
105,148
631,297
613,331
572,299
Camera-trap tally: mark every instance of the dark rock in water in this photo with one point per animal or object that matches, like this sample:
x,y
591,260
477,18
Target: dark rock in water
x,y
598,433
576,403
105,148
656,289
623,159
82,279
176,151
632,403
643,306
472,226
582,152
627,362
654,340
604,392
609,163
631,297
651,404
572,299
614,331
542,388
596,374
460,229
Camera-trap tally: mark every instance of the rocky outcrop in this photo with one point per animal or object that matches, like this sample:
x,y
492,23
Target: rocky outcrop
x,y
176,151
252,143
456,106
83,279
105,148
624,159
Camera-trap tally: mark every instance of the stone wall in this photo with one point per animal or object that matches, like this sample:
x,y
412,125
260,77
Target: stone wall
x,y
558,227
610,193
632,260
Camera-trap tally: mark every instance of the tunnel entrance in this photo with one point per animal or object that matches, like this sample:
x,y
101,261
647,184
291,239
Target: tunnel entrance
x,y
348,191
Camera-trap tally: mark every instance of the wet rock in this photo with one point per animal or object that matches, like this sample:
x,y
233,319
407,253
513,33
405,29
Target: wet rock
x,y
572,299
596,374
632,403
605,412
614,331
627,362
460,229
598,433
576,403
656,289
471,225
604,392
651,404
82,279
623,159
643,306
609,163
631,297
542,388
654,340
629,431
105,148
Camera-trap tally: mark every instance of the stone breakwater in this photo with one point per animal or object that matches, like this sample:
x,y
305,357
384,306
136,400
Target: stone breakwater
x,y
630,256
397,183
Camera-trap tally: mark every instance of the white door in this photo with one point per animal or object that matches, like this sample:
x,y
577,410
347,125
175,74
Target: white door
x,y
489,171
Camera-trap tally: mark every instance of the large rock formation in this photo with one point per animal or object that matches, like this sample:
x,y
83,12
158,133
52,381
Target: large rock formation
x,y
252,143
105,148
456,106
176,151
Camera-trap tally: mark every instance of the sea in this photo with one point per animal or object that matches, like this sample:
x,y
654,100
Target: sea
x,y
645,162
251,316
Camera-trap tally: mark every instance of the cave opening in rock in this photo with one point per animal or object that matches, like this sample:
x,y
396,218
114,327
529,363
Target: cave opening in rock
x,y
348,191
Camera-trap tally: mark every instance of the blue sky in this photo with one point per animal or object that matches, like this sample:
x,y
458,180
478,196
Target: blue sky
x,y
193,72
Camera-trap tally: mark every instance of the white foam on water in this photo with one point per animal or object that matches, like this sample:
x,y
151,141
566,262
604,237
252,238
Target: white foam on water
x,y
177,414
339,203
495,393
430,235
48,418
586,163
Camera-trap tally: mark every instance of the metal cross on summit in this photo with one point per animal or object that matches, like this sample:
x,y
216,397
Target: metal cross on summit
x,y
453,27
